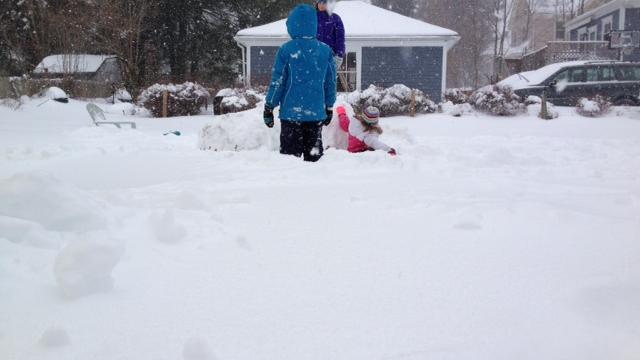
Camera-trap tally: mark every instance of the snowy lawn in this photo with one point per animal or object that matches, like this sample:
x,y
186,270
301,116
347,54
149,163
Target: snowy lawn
x,y
488,238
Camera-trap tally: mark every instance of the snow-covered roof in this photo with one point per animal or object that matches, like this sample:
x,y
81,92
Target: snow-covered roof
x,y
361,20
536,77
71,63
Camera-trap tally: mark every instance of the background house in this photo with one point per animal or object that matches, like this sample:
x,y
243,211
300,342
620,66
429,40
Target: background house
x,y
595,24
99,68
397,50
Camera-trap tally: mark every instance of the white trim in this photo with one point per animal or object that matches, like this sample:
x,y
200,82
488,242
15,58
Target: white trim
x,y
248,66
358,52
622,19
606,21
597,12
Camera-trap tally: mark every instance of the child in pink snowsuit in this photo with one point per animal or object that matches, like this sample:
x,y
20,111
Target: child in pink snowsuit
x,y
364,132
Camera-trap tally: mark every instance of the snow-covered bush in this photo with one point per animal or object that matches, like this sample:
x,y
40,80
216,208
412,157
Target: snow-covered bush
x,y
497,100
236,100
184,99
456,96
122,95
396,100
56,94
595,107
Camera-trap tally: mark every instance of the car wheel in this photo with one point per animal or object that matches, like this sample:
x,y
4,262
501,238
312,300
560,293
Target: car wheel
x,y
625,102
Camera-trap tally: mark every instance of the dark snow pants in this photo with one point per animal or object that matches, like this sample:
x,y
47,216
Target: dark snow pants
x,y
302,138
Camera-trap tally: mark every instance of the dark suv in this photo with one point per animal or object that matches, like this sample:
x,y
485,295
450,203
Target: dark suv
x,y
618,81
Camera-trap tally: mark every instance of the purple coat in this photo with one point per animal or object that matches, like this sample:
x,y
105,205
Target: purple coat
x,y
331,32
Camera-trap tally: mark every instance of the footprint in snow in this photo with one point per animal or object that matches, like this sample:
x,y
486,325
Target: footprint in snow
x,y
467,226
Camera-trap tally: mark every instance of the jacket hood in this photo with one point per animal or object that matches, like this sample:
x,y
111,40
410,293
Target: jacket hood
x,y
303,22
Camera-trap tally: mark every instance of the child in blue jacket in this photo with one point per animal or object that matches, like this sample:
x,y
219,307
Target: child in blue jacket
x,y
304,86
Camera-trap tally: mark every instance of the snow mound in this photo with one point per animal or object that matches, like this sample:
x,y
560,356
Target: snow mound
x,y
197,349
239,134
84,267
20,231
54,337
49,202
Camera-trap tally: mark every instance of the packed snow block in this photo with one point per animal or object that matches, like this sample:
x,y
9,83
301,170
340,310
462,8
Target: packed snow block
x,y
393,101
229,101
183,99
166,229
84,267
497,100
54,337
239,134
595,107
55,205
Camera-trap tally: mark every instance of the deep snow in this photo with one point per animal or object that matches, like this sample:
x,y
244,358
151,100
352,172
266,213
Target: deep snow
x,y
488,238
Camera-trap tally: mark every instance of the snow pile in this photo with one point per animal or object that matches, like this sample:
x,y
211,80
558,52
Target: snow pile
x,y
46,201
396,100
239,134
456,110
184,99
497,100
54,337
84,266
235,100
595,107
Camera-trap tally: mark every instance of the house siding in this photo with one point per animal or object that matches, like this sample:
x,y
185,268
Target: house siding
x,y
262,60
597,22
632,22
415,67
632,19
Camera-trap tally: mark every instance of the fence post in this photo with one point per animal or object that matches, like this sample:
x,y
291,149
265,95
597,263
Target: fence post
x,y
165,104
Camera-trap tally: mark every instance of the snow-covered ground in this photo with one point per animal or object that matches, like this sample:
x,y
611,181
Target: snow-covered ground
x,y
488,238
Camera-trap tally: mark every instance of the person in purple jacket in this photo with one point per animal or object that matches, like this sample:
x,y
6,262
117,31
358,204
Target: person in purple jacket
x,y
331,29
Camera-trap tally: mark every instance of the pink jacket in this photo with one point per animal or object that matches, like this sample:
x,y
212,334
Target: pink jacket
x,y
360,140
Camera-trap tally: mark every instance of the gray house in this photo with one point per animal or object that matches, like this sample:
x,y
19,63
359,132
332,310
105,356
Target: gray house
x,y
594,25
99,68
383,49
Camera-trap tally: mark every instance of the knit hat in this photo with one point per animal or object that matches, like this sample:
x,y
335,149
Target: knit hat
x,y
371,115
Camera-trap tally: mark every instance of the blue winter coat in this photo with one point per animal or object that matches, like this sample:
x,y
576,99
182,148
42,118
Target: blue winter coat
x,y
304,75
331,32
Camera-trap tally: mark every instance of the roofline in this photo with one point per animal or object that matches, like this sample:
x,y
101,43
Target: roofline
x,y
242,38
612,4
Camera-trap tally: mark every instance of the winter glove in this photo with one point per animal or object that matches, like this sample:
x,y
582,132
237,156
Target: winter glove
x,y
393,152
342,110
329,117
268,116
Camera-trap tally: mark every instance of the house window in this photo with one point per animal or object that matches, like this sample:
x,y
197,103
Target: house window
x,y
582,34
607,26
347,74
593,33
